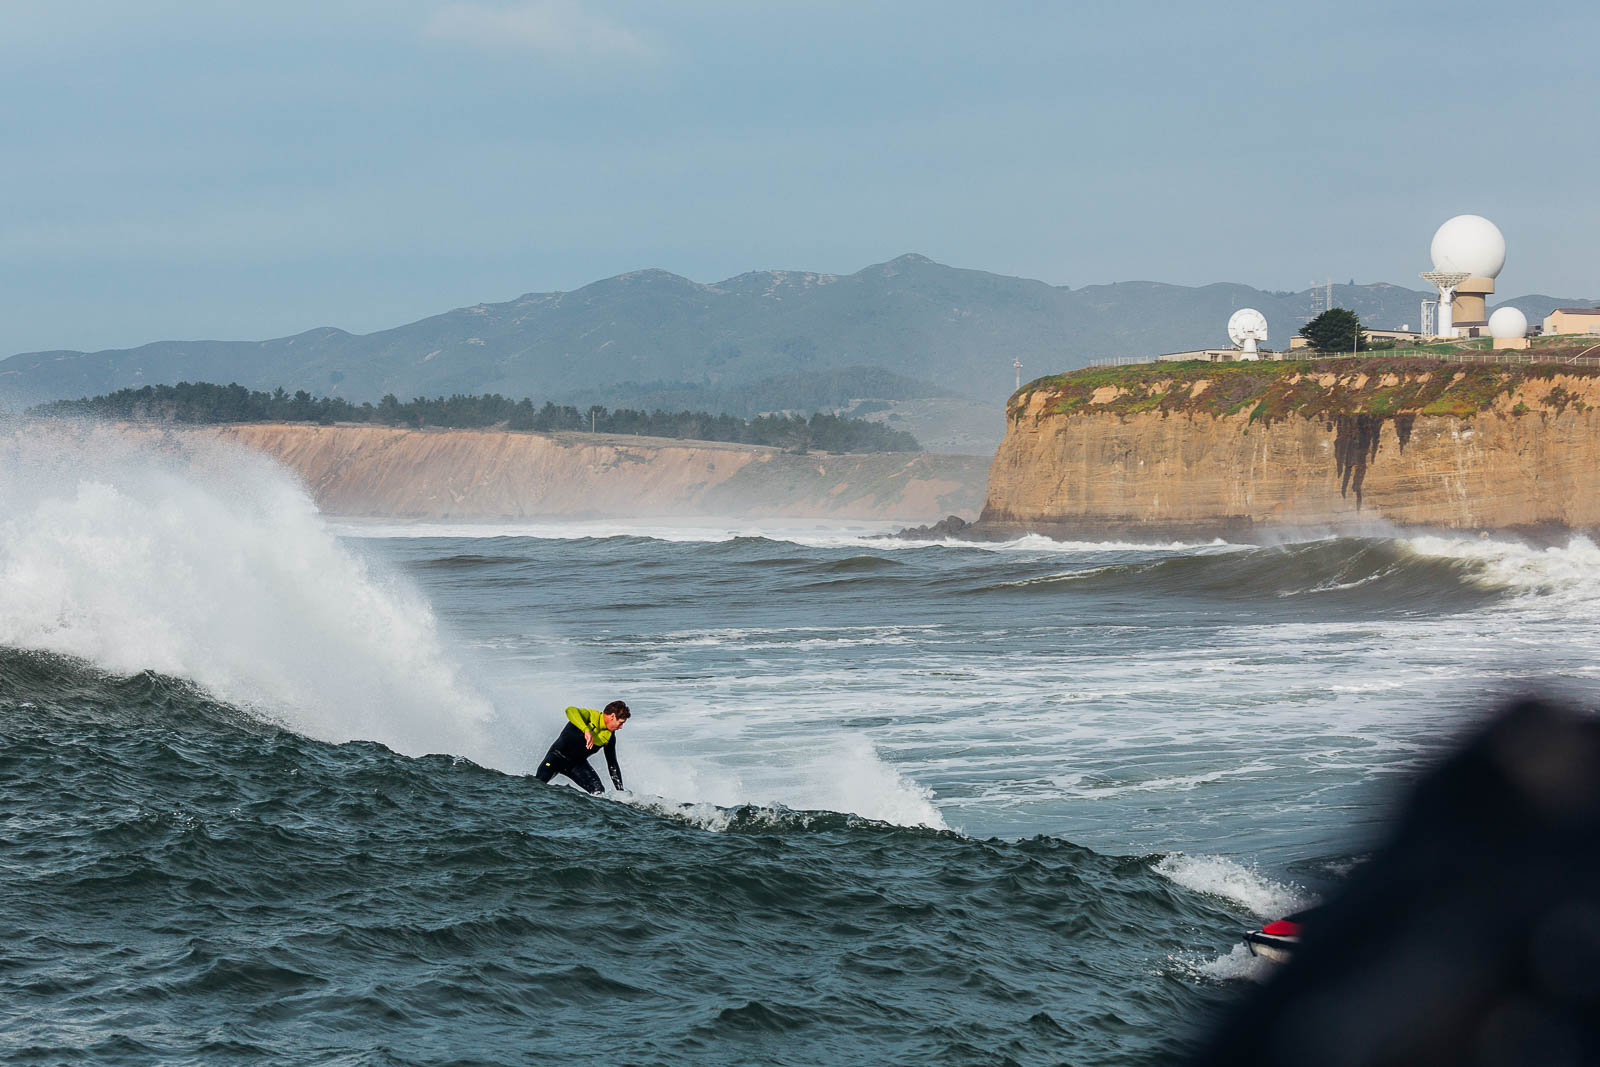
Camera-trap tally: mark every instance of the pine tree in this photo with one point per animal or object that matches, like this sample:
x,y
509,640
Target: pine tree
x,y
1335,330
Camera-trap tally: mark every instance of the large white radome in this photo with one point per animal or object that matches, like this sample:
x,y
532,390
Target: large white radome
x,y
1470,244
1508,322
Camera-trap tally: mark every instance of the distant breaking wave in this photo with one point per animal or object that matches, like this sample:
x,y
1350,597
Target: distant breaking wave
x,y
1393,572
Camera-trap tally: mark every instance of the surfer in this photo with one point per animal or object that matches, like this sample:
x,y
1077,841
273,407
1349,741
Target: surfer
x,y
586,729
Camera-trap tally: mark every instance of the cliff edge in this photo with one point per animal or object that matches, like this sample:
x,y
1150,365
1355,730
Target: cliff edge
x,y
1206,449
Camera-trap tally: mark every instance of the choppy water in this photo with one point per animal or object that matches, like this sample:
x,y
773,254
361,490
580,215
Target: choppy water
x,y
263,792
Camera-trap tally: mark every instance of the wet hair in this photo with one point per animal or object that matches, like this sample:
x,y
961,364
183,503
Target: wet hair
x,y
619,709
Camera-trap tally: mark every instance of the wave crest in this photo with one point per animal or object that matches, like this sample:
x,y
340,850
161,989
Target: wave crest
x,y
202,561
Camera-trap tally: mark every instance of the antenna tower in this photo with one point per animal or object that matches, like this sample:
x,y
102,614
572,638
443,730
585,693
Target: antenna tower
x,y
1446,280
1321,297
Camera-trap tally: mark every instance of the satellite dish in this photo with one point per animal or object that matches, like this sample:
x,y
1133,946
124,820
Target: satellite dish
x,y
1246,328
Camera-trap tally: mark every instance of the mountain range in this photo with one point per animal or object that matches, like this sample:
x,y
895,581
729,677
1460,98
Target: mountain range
x,y
769,340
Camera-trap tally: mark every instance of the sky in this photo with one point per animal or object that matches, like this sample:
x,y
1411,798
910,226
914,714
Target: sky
x,y
222,169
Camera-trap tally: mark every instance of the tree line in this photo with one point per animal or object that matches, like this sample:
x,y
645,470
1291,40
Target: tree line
x,y
205,403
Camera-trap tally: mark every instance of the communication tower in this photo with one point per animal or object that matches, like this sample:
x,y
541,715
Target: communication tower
x,y
1321,298
1446,280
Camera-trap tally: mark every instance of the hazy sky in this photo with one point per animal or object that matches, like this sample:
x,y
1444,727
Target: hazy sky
x,y
246,170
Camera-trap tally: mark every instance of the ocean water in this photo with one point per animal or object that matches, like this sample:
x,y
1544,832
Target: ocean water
x,y
263,792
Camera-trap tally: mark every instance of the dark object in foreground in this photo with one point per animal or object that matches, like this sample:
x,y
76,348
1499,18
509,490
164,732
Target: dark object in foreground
x,y
1473,935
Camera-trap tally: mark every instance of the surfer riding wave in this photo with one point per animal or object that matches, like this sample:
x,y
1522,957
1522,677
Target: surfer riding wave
x,y
586,729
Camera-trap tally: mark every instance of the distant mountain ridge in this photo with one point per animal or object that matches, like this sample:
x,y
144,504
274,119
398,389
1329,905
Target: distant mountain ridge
x,y
763,340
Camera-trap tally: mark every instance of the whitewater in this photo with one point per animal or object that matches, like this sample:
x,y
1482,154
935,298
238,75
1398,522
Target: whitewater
x,y
885,798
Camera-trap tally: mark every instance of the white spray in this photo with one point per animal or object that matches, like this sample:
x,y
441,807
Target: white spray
x,y
136,551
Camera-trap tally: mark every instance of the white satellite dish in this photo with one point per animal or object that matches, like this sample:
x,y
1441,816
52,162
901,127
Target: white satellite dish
x,y
1247,327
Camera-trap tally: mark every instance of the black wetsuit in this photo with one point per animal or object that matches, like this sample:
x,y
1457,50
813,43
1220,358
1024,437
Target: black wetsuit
x,y
568,756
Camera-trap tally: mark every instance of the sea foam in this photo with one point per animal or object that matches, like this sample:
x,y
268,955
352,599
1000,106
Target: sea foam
x,y
1222,877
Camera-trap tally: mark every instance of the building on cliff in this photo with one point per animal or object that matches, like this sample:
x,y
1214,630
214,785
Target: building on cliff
x,y
1208,355
1402,334
1573,320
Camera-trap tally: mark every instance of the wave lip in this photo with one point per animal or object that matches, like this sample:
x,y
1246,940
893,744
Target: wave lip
x,y
1221,877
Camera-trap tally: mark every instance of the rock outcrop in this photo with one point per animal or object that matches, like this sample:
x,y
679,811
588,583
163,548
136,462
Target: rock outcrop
x,y
1233,449
471,474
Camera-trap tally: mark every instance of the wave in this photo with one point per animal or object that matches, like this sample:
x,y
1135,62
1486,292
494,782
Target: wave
x,y
760,819
209,563
1563,573
222,873
874,536
1221,877
1353,571
834,773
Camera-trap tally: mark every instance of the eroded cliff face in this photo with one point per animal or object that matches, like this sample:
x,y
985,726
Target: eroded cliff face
x,y
1326,446
467,474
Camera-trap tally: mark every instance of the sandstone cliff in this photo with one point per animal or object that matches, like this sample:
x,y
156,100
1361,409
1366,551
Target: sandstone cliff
x,y
1201,449
471,474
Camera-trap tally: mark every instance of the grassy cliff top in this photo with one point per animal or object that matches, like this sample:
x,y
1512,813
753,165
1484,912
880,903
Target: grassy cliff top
x,y
1311,388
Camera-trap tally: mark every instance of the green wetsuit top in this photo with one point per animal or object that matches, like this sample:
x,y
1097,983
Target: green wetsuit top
x,y
590,721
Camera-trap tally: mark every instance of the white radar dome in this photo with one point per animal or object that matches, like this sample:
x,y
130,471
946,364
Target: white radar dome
x,y
1508,322
1469,244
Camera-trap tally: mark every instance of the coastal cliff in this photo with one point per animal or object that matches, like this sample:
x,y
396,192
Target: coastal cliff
x,y
1202,449
374,471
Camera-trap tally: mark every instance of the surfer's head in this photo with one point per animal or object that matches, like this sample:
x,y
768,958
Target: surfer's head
x,y
615,714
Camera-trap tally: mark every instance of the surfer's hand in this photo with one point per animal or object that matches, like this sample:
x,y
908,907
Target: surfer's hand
x,y
588,739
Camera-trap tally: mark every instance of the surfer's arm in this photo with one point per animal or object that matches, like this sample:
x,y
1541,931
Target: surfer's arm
x,y
611,764
579,718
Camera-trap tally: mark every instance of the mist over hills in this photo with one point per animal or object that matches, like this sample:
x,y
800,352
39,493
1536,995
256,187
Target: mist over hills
x,y
767,340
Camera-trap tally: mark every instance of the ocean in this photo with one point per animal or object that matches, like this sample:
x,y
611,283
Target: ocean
x,y
266,797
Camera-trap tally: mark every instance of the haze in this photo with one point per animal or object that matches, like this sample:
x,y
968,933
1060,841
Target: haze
x,y
239,170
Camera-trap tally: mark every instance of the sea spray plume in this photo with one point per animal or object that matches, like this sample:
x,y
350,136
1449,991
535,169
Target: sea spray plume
x,y
1473,935
136,550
